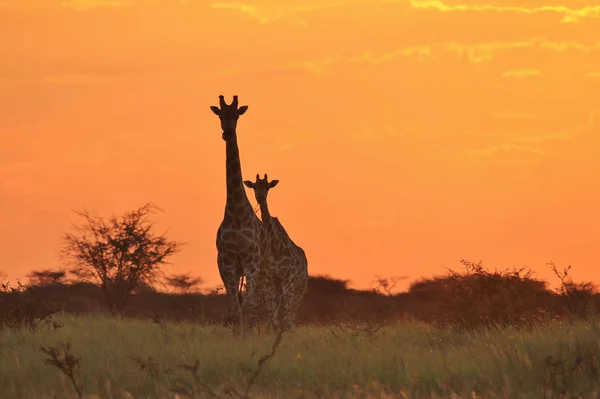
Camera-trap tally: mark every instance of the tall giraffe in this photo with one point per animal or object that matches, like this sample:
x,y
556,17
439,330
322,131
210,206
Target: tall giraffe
x,y
288,267
242,241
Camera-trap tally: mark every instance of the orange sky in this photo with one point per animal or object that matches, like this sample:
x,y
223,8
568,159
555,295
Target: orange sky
x,y
406,135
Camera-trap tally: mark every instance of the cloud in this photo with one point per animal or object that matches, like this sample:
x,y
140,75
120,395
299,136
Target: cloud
x,y
420,53
78,5
522,144
503,149
570,15
521,73
485,52
593,75
512,115
86,4
542,138
474,52
318,67
249,10
265,16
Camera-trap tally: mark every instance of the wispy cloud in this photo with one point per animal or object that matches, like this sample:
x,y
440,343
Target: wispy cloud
x,y
79,5
318,67
542,138
521,73
254,12
485,52
472,52
86,4
420,53
513,115
503,149
523,143
569,15
265,16
593,75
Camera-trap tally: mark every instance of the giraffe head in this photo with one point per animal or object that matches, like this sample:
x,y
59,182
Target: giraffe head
x,y
261,188
228,114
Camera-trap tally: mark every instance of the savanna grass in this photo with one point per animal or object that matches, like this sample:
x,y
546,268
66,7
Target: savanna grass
x,y
411,360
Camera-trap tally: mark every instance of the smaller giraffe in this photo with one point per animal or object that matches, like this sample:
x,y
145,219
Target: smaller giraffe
x,y
288,268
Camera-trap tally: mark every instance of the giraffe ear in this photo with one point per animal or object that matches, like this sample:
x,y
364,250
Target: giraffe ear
x,y
273,183
249,184
242,110
215,110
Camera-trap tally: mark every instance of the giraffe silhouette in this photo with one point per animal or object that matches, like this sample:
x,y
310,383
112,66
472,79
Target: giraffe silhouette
x,y
288,266
242,240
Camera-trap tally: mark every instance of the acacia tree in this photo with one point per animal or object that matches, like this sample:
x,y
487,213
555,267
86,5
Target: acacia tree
x,y
47,277
118,253
183,283
385,285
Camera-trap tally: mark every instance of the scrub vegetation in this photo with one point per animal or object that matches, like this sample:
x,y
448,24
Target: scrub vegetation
x,y
115,326
484,340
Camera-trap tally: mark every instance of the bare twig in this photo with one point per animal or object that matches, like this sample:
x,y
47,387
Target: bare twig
x,y
149,365
185,388
61,358
261,363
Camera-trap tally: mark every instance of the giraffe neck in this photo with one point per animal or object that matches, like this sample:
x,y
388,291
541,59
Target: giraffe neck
x,y
277,234
264,212
236,195
269,223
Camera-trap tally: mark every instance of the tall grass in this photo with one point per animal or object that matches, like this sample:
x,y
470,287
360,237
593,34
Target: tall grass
x,y
135,358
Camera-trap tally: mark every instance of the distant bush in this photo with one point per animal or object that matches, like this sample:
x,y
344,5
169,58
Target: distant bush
x,y
577,299
386,285
428,288
478,297
143,287
183,283
326,285
47,277
467,298
22,307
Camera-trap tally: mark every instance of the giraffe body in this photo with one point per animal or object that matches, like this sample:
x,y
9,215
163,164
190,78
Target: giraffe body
x,y
242,240
287,271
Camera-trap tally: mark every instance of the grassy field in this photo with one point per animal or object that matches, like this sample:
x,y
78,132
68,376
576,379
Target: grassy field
x,y
142,359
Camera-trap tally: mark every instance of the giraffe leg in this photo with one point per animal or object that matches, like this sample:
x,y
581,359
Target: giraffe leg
x,y
253,292
271,294
227,270
294,292
261,294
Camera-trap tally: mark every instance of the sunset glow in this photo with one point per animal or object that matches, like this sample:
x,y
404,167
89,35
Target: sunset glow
x,y
406,134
